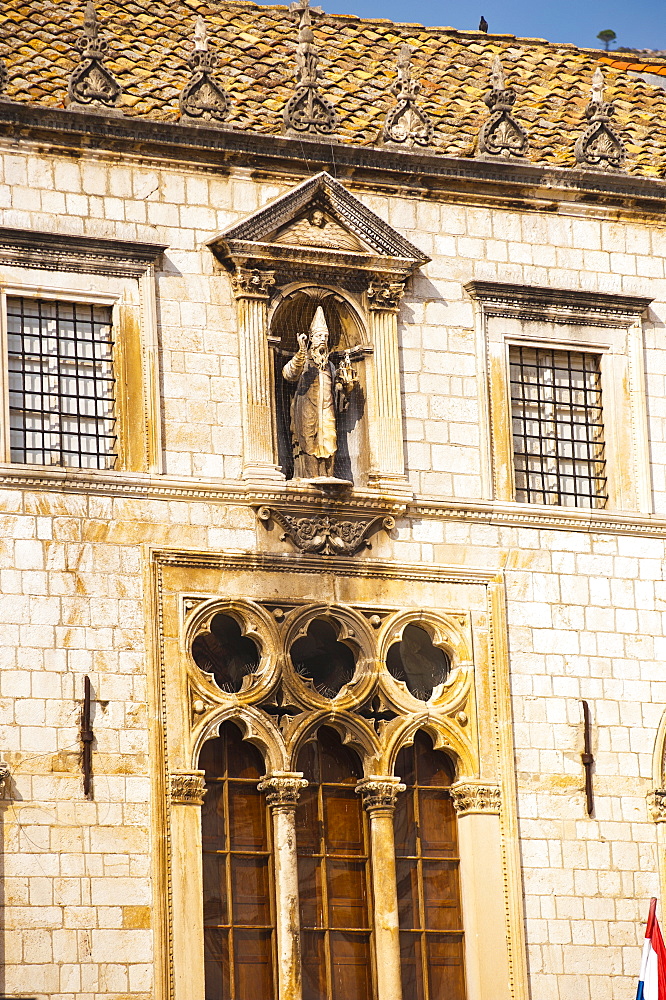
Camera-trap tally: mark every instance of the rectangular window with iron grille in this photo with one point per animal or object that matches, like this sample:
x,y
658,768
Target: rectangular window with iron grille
x,y
61,383
557,422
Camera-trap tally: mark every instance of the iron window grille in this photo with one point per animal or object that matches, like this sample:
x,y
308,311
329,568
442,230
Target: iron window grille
x,y
61,383
557,421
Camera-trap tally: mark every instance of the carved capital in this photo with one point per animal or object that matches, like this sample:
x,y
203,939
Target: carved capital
x,y
380,793
656,802
283,788
383,294
188,788
251,283
470,797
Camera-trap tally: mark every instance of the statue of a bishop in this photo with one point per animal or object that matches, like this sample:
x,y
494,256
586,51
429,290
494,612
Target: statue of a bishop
x,y
322,391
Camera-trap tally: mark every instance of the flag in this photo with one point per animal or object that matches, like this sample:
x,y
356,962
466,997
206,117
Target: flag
x,y
652,981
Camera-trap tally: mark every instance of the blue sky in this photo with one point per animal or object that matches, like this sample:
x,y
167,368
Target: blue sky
x,y
639,24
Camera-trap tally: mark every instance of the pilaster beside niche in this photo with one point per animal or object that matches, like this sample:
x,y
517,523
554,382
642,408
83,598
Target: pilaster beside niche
x,y
316,267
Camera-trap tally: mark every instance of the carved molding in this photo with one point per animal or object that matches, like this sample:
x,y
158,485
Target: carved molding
x,y
656,802
188,787
470,797
384,294
92,86
251,283
283,788
599,146
203,101
407,124
501,135
380,792
326,535
557,305
81,254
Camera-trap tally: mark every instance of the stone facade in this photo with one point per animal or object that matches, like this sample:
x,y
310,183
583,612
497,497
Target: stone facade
x,y
94,907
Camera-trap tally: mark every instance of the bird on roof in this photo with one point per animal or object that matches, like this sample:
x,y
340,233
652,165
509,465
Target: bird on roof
x,y
483,24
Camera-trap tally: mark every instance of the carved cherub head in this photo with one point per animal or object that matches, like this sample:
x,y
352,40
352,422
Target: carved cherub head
x,y
317,218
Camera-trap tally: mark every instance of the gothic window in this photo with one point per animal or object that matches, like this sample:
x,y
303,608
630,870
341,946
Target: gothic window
x,y
320,658
226,653
417,662
332,874
237,877
60,383
427,863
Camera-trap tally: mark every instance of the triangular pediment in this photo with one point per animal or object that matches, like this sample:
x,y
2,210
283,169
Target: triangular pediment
x,y
319,223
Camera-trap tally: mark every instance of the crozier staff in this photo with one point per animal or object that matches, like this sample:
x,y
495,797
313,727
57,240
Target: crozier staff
x,y
322,392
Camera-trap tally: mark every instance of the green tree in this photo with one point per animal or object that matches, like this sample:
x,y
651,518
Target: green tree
x,y
607,37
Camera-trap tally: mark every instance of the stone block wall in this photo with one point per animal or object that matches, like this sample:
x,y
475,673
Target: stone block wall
x,y
585,609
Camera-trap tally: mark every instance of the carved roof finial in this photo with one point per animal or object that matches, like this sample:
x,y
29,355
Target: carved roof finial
x,y
501,135
599,145
307,110
203,101
406,123
91,86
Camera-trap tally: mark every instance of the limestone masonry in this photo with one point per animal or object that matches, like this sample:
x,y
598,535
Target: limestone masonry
x,y
333,455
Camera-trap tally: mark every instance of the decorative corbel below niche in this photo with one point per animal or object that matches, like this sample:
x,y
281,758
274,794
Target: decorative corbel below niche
x,y
323,534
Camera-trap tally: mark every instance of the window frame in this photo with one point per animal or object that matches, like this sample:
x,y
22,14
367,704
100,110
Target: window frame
x,y
557,319
131,300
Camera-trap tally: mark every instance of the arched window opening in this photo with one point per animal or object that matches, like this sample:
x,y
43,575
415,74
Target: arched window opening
x,y
321,659
427,871
294,316
237,877
333,874
225,653
418,662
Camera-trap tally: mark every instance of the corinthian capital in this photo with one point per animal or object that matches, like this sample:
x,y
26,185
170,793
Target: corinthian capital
x,y
282,788
472,797
188,788
384,294
251,283
656,801
380,792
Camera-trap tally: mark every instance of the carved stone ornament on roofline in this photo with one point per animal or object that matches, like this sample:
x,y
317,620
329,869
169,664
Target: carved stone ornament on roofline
x,y
203,101
4,76
326,535
406,124
252,283
472,797
91,86
599,146
282,788
308,111
501,135
188,788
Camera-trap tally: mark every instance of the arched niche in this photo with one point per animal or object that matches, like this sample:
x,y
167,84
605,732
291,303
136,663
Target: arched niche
x,y
291,315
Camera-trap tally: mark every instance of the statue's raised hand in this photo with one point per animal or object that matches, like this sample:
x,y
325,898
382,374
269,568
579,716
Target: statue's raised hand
x,y
302,339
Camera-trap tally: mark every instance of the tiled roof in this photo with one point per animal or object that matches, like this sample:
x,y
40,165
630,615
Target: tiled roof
x,y
149,44
633,65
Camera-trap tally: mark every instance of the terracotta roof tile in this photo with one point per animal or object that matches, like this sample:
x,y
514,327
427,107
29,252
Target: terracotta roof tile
x,y
149,48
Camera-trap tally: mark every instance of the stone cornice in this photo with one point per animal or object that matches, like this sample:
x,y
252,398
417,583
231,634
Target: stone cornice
x,y
559,305
310,500
412,171
81,254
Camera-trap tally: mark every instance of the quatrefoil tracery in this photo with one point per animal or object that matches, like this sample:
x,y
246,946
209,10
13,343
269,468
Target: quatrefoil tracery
x,y
372,672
